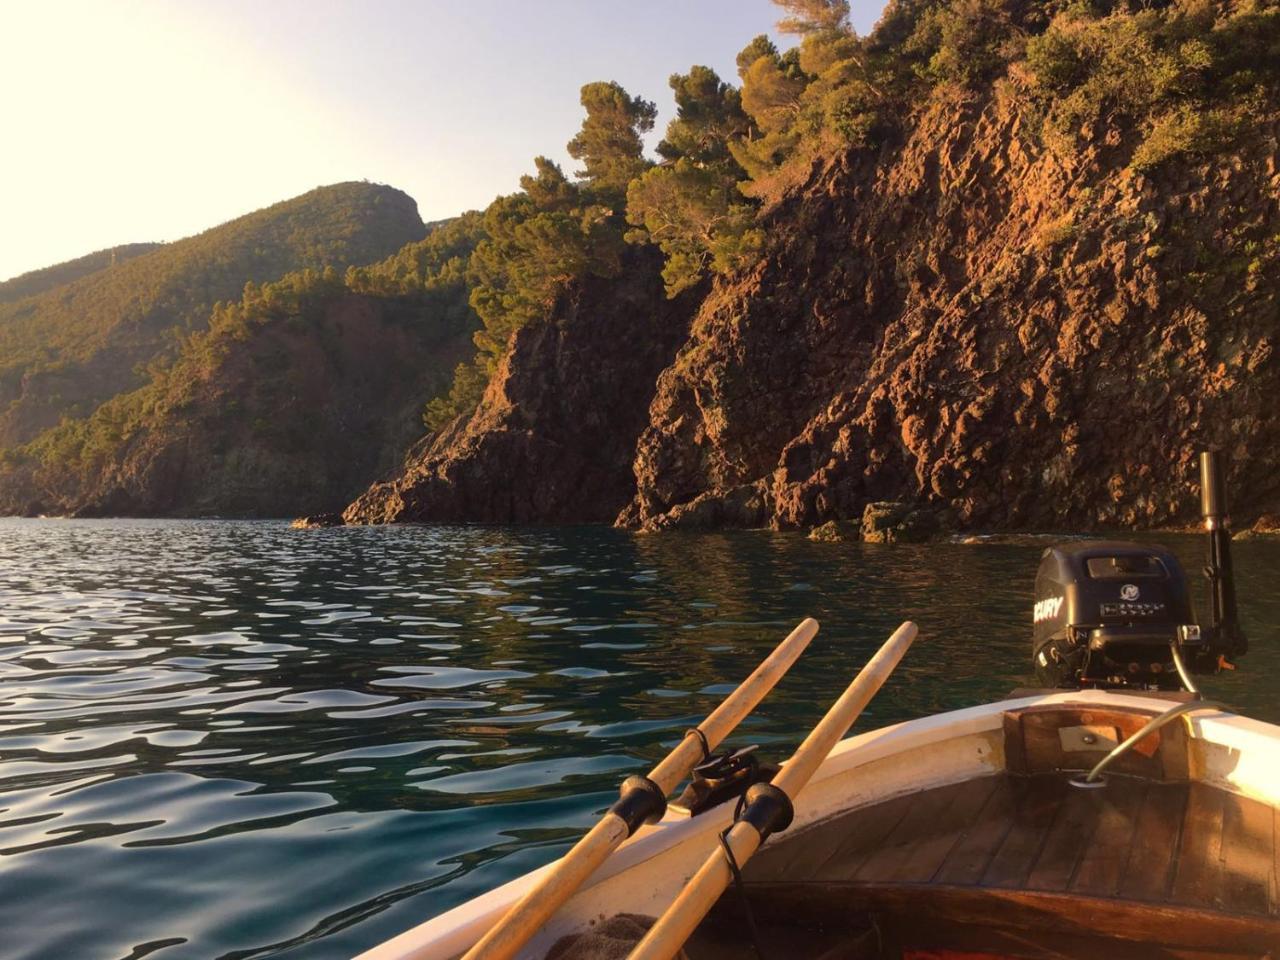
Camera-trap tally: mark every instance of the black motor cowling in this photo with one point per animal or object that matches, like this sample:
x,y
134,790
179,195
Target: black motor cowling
x,y
1119,614
1108,614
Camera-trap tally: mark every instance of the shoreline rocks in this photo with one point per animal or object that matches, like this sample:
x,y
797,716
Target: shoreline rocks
x,y
884,521
318,521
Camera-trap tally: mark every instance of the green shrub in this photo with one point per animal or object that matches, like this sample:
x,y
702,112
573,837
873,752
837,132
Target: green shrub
x,y
1182,131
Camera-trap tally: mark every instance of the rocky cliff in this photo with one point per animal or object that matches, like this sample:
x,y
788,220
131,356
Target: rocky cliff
x,y
1011,338
553,438
1004,335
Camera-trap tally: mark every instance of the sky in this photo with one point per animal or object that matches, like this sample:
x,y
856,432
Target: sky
x,y
144,120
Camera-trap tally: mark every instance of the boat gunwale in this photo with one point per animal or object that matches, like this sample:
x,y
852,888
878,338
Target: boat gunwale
x,y
452,932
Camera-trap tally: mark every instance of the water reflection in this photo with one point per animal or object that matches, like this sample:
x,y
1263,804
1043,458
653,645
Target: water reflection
x,y
238,740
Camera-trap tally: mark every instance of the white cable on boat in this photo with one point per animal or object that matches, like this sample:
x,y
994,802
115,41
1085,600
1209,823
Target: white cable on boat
x,y
1182,669
1155,723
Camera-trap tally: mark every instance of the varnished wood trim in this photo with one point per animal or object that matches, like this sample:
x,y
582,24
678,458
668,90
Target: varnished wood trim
x,y
1033,745
1042,911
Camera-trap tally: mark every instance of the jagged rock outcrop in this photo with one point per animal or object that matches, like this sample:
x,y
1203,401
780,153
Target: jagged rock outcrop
x,y
554,436
985,330
317,521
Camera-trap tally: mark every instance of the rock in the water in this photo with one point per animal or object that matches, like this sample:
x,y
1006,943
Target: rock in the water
x,y
317,521
890,522
742,506
835,531
1267,525
884,521
881,517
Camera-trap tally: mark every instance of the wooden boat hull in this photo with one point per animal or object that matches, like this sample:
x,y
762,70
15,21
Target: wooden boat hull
x,y
1030,738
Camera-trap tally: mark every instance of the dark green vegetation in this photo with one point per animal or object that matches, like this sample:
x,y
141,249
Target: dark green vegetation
x,y
297,393
227,394
36,282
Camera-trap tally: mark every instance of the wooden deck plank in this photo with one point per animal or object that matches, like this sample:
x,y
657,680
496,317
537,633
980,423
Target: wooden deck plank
x,y
1069,836
796,857
925,843
1104,859
901,843
1177,844
862,837
969,857
1248,854
830,850
1198,877
1275,862
864,840
1148,874
948,832
1036,802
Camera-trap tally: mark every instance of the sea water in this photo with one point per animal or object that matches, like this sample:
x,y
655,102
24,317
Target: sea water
x,y
234,739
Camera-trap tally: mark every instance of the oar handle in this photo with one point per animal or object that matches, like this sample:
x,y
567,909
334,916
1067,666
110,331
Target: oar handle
x,y
527,916
667,936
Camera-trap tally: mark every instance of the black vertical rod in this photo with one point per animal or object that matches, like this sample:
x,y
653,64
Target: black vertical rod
x,y
1222,584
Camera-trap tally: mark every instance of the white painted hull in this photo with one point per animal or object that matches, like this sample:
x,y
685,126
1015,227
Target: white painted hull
x,y
1234,753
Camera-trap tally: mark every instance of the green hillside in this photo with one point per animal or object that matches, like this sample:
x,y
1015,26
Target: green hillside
x,y
65,351
35,282
291,399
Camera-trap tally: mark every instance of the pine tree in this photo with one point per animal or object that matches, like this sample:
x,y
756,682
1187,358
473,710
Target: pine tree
x,y
760,46
610,143
708,116
814,17
691,206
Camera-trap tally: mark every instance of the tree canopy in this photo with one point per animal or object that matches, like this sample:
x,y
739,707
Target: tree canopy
x,y
610,143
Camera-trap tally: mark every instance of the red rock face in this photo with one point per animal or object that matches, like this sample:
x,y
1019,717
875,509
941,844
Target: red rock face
x,y
963,323
554,436
973,325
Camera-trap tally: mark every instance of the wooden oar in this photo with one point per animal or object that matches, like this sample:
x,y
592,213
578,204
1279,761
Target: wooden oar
x,y
769,805
643,800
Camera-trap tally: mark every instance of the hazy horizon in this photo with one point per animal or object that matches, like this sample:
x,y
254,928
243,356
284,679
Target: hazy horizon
x,y
145,122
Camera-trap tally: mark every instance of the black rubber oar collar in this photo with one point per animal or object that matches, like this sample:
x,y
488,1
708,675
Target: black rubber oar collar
x,y
641,801
768,809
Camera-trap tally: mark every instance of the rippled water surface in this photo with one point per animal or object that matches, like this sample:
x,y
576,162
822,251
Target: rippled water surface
x,y
224,739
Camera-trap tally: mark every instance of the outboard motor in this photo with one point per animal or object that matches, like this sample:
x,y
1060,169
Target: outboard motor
x,y
1110,614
